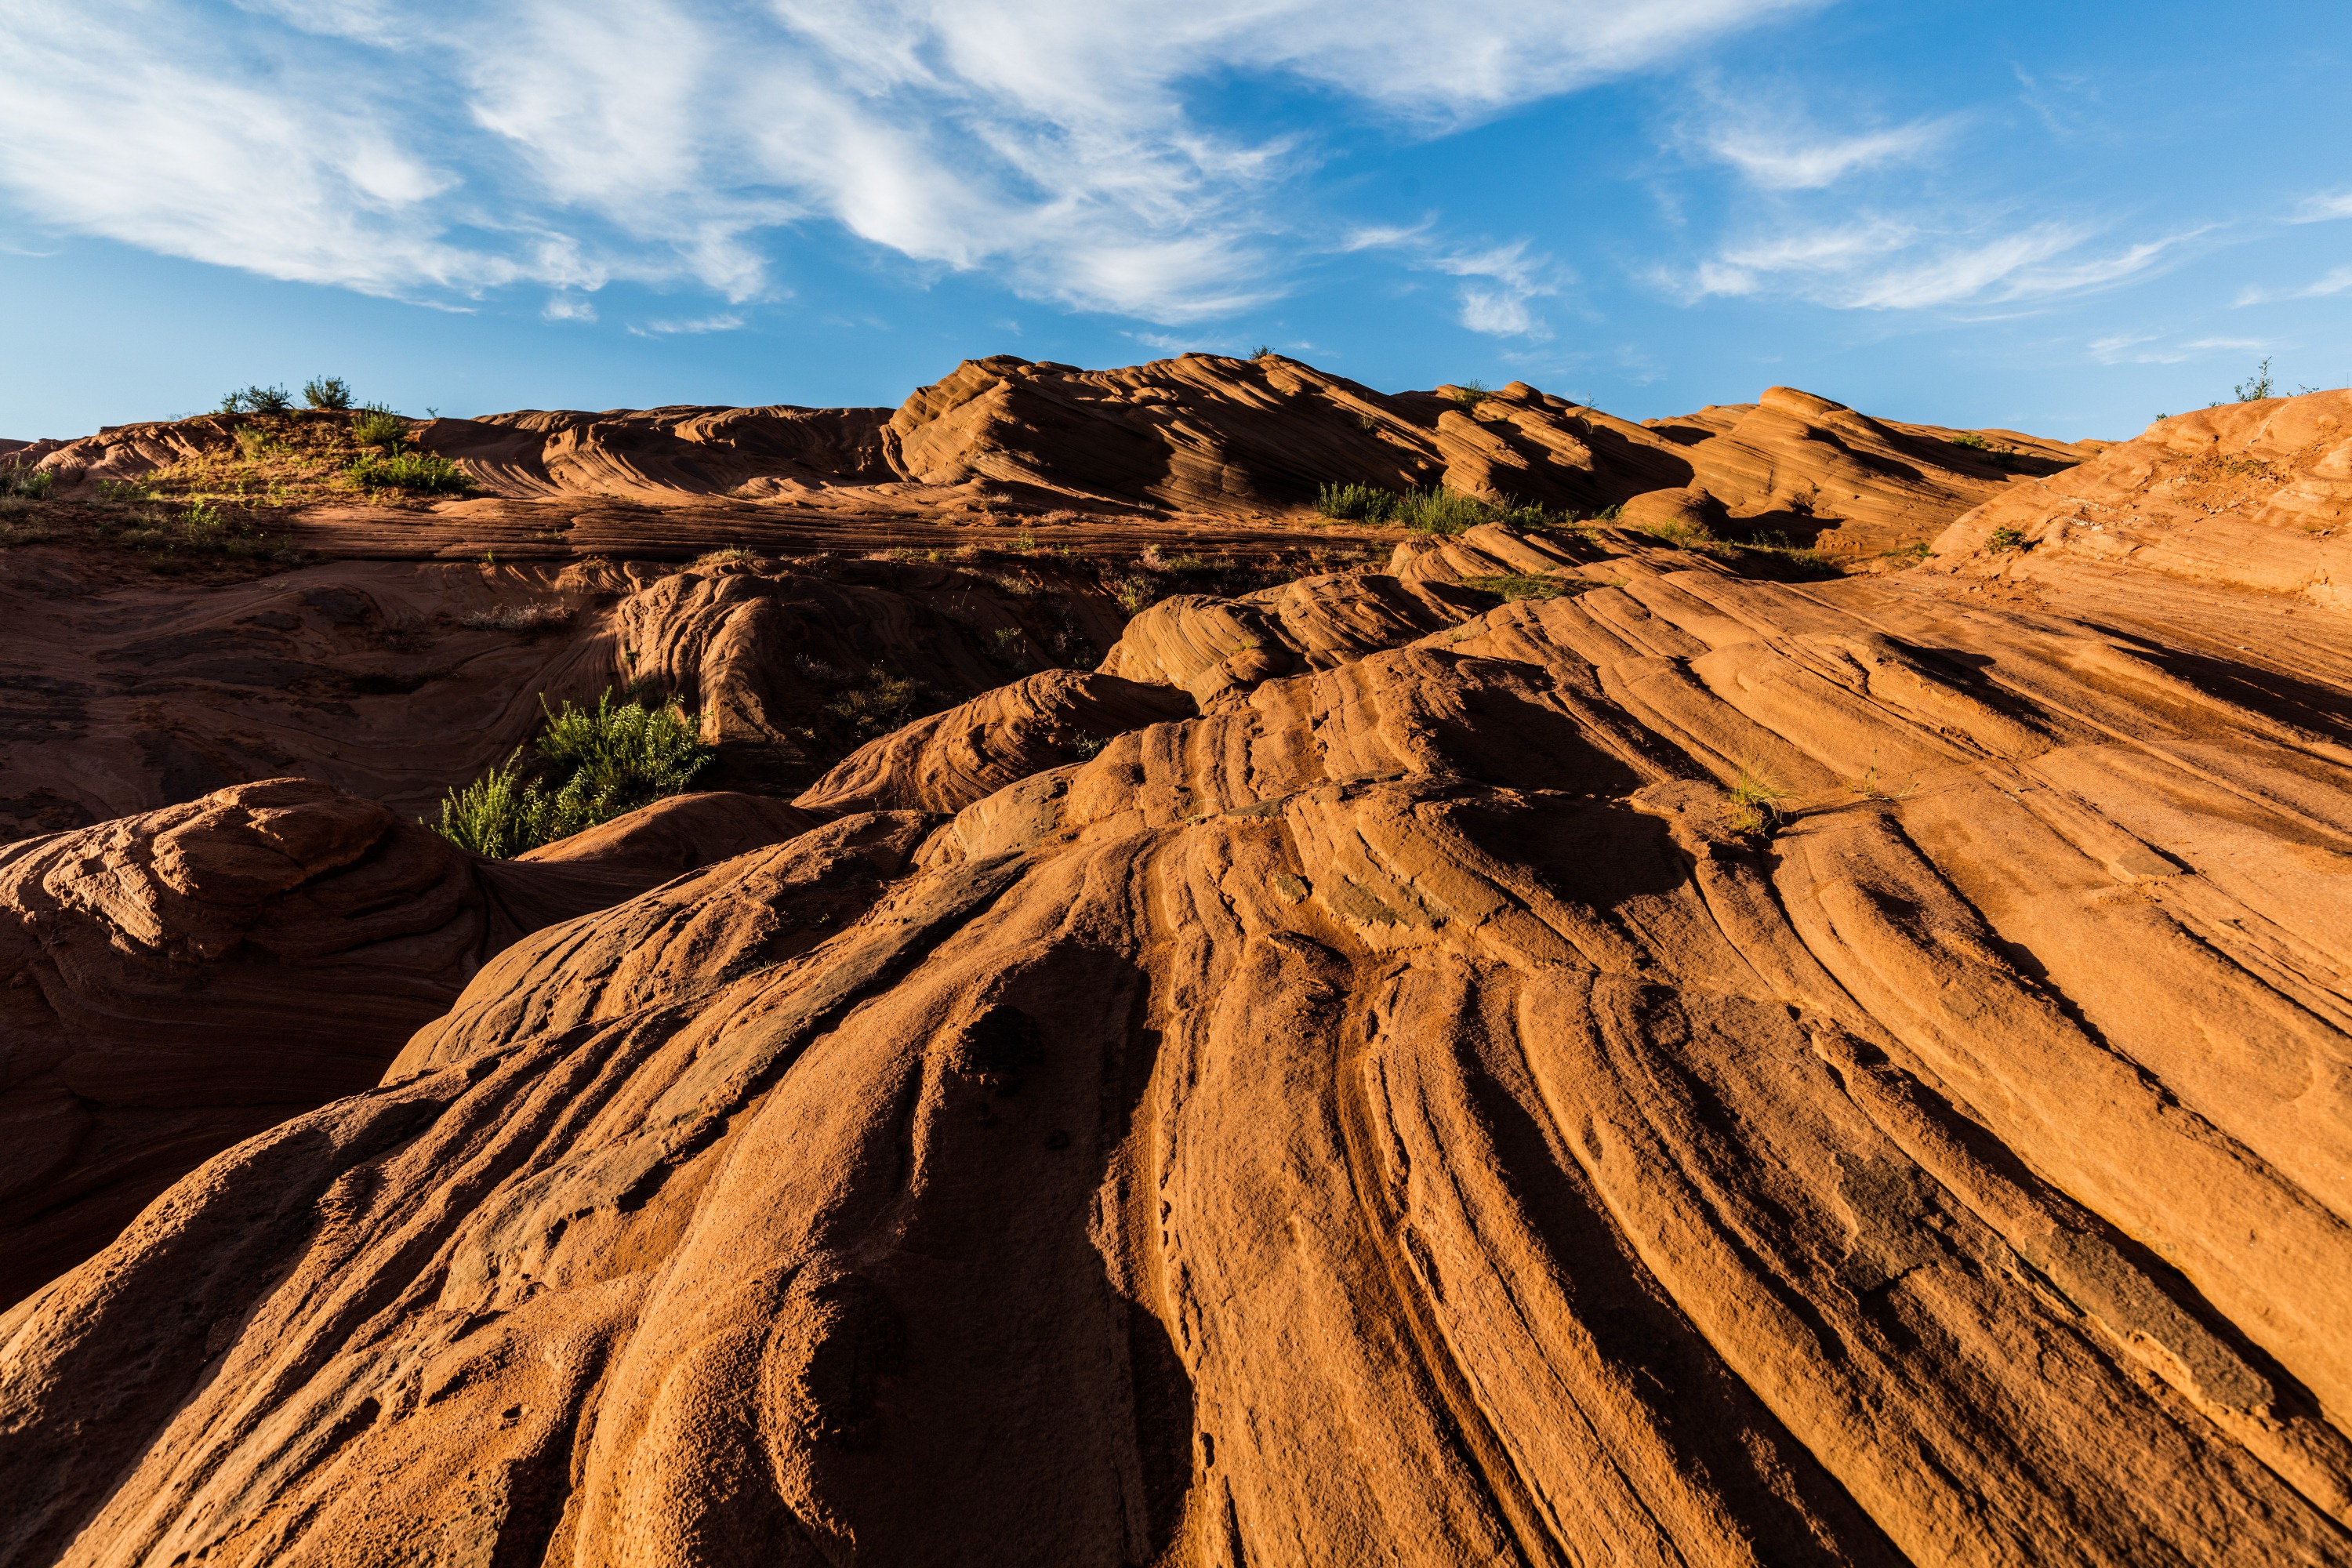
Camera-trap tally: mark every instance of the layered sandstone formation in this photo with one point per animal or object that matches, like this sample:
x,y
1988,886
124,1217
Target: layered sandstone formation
x,y
1689,1069
1206,436
181,980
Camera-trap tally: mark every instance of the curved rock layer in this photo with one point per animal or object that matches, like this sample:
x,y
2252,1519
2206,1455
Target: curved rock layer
x,y
183,980
1205,434
400,682
1688,1070
950,760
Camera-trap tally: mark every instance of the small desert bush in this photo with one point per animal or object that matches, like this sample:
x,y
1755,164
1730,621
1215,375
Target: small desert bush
x,y
1433,511
735,555
327,392
1756,803
588,766
526,618
380,427
31,484
1468,394
258,400
2255,387
877,704
411,472
2003,540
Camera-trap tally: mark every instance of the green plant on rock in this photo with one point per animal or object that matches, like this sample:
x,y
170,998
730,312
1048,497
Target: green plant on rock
x,y
588,766
878,704
380,427
2255,387
32,484
1756,803
2003,540
1468,394
411,472
258,400
327,392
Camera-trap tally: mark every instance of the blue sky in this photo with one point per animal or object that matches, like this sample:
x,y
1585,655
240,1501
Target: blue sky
x,y
2062,218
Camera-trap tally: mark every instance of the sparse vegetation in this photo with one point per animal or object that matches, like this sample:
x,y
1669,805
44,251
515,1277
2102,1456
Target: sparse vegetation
x,y
878,704
1756,803
2003,540
271,400
1264,351
327,392
419,471
529,619
735,555
1468,394
381,428
30,484
1433,511
1986,451
2255,387
588,766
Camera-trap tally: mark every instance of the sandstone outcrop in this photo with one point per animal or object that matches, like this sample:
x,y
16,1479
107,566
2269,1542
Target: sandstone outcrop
x,y
1199,436
180,981
1405,1112
1550,1052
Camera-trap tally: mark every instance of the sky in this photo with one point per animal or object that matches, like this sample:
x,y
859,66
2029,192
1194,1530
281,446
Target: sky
x,y
2062,218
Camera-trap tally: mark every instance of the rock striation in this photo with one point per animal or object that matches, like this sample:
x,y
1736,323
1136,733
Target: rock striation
x,y
1687,1069
183,980
1210,436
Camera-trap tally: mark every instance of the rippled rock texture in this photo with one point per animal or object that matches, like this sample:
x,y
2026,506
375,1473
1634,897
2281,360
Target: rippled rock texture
x,y
1691,1070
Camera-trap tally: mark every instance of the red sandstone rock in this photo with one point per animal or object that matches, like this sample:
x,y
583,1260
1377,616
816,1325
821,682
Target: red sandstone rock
x,y
1397,1114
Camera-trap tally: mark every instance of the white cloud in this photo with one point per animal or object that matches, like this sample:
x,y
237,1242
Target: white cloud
x,y
728,323
2134,348
1894,263
1501,305
2332,282
2322,207
437,145
1783,158
569,307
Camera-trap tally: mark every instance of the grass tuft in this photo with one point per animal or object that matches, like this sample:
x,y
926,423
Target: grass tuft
x,y
2003,540
30,484
411,472
592,764
1754,803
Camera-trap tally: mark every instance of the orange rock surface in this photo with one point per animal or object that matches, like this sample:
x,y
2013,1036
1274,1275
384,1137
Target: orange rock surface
x,y
1677,1068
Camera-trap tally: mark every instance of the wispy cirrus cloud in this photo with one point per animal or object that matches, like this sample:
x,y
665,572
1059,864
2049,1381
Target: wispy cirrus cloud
x,y
435,145
2157,348
2323,207
2338,281
1784,157
1888,263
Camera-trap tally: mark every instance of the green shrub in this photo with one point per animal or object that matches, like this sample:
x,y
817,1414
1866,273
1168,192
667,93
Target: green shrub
x,y
2003,540
411,472
1357,503
1970,438
1264,351
593,765
258,400
33,484
2254,388
1755,805
327,392
878,704
380,427
1468,394
1433,511
125,490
